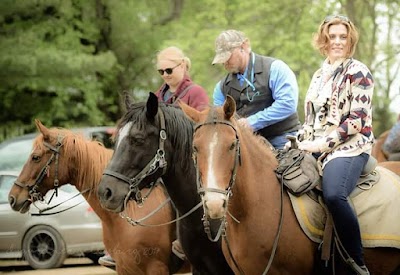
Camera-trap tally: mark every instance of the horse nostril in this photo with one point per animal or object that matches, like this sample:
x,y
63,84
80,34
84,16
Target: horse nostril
x,y
11,200
107,194
224,204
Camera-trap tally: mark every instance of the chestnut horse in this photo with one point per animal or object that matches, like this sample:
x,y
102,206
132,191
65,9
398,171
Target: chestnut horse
x,y
238,183
393,166
59,155
377,148
154,140
380,156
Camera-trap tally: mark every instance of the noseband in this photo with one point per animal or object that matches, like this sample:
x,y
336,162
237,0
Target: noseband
x,y
33,192
156,163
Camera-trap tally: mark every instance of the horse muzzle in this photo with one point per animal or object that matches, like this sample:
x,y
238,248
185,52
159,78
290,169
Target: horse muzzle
x,y
215,205
22,207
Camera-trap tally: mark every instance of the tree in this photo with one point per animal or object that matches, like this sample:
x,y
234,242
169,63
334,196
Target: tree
x,y
68,61
51,65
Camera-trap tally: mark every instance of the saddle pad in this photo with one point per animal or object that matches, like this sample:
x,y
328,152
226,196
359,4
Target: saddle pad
x,y
377,210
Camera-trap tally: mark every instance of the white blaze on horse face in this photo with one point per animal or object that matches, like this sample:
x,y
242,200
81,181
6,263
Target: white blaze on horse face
x,y
123,132
212,181
214,201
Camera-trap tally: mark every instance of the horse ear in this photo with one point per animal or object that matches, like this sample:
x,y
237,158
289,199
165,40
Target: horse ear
x,y
151,106
190,112
127,100
45,132
229,107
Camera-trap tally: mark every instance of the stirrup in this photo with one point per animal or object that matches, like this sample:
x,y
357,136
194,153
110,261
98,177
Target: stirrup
x,y
177,250
361,270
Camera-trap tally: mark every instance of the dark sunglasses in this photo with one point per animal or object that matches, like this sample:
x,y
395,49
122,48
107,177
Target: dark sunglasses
x,y
168,70
341,17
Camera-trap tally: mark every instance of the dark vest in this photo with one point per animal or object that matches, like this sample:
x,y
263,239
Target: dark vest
x,y
247,103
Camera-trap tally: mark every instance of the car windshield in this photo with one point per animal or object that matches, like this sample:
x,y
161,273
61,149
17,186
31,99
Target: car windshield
x,y
14,155
6,182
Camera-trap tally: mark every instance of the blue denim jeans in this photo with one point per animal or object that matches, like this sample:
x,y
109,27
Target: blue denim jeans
x,y
279,141
339,179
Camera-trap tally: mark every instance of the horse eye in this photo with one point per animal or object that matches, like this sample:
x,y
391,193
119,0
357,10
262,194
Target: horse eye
x,y
232,146
35,158
137,140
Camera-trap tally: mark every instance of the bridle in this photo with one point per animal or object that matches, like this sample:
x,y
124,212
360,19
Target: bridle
x,y
33,189
227,192
156,163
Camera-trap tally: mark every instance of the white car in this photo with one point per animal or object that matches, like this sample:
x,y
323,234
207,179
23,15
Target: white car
x,y
45,241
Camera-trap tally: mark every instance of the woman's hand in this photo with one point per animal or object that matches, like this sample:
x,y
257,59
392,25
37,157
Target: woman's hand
x,y
310,146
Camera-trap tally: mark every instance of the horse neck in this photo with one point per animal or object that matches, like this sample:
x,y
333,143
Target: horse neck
x,y
87,178
255,179
181,185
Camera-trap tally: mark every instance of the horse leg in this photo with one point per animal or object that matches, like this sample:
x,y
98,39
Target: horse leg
x,y
175,263
157,268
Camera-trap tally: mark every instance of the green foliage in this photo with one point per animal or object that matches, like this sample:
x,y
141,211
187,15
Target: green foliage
x,y
51,67
68,61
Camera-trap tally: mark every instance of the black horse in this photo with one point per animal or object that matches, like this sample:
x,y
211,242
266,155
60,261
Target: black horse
x,y
155,140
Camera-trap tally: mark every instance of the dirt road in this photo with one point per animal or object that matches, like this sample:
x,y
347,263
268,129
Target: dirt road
x,y
72,266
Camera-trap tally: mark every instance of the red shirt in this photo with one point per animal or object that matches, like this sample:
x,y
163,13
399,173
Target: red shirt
x,y
195,96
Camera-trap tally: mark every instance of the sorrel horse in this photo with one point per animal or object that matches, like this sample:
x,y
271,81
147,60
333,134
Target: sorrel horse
x,y
238,183
393,166
380,156
61,156
155,140
377,148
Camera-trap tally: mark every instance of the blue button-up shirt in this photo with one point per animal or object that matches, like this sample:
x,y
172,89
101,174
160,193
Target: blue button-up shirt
x,y
285,92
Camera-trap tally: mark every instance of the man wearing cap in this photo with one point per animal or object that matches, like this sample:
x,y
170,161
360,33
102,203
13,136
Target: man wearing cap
x,y
265,89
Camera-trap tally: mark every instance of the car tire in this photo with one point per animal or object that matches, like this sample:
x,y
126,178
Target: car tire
x,y
44,248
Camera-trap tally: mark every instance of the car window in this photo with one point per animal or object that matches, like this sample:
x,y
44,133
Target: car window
x,y
6,181
103,137
14,155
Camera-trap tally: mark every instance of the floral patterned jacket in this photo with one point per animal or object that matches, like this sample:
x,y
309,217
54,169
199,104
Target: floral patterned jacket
x,y
344,118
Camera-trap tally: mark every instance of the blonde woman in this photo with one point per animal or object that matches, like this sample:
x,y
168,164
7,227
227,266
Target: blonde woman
x,y
338,127
174,66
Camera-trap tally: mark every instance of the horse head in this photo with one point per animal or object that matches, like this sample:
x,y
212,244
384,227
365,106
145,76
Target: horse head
x,y
216,152
139,158
42,171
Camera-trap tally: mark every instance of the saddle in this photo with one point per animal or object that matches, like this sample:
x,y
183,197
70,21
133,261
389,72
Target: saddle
x,y
300,174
